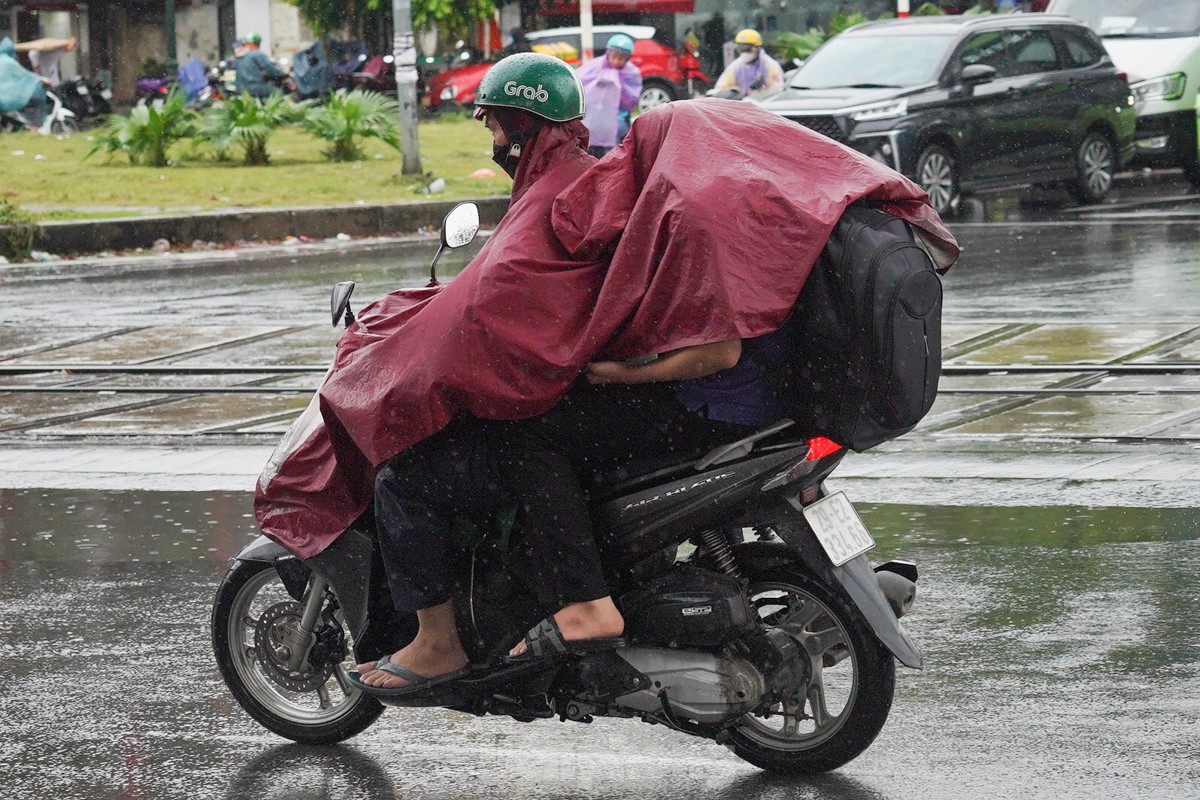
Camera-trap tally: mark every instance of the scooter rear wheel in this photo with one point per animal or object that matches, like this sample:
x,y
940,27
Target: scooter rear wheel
x,y
312,705
851,678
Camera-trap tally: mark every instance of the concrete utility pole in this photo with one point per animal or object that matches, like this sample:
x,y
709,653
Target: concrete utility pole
x,y
586,43
404,51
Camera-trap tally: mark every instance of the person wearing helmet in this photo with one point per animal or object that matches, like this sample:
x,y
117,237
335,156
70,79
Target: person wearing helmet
x,y
532,104
753,72
255,70
612,84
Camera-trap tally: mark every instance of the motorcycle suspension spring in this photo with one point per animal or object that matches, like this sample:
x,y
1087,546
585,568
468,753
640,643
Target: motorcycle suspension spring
x,y
719,550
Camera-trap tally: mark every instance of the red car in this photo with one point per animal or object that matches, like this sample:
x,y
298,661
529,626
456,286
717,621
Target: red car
x,y
666,74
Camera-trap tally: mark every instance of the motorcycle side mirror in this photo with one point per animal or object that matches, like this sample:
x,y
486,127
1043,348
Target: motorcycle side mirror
x,y
339,303
458,230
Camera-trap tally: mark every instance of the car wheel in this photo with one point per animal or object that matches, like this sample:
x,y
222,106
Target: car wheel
x,y
654,94
1192,173
937,174
1095,168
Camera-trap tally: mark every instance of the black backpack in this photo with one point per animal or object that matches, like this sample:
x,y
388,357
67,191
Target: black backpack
x,y
867,351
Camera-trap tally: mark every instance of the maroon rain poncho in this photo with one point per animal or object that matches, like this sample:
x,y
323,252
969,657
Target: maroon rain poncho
x,y
700,228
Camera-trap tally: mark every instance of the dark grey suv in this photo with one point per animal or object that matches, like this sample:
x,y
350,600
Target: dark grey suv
x,y
962,103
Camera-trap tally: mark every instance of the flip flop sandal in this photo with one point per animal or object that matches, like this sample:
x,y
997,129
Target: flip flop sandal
x,y
416,683
545,640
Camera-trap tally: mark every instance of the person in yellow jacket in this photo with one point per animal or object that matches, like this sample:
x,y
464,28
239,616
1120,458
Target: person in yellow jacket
x,y
753,72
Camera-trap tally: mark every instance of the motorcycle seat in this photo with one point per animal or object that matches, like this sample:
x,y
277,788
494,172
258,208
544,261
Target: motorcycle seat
x,y
662,467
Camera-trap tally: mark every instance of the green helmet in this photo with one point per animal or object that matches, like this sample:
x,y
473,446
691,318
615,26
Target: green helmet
x,y
534,82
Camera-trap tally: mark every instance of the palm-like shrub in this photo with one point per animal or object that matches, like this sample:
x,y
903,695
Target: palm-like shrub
x,y
249,122
149,131
348,118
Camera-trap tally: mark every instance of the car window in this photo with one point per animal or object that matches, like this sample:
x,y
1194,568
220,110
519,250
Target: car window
x,y
1031,51
565,46
988,49
1082,47
1135,18
864,60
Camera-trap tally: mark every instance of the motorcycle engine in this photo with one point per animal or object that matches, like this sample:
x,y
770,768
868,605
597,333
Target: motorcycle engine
x,y
700,687
687,607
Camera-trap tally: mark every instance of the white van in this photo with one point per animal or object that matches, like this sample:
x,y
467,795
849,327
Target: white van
x,y
1157,44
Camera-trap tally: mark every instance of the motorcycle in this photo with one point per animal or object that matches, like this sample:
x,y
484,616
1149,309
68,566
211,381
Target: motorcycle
x,y
753,616
58,121
87,100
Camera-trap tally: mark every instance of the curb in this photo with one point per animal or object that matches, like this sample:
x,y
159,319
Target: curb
x,y
129,233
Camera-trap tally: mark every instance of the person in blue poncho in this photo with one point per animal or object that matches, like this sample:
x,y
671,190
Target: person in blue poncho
x,y
612,84
20,89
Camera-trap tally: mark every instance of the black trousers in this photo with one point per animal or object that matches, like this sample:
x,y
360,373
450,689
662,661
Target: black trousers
x,y
545,461
479,468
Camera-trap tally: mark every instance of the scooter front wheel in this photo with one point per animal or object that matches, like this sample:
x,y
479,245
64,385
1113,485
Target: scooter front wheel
x,y
312,704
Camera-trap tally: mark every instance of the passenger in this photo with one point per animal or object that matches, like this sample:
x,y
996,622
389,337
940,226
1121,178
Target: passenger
x,y
20,89
753,72
612,84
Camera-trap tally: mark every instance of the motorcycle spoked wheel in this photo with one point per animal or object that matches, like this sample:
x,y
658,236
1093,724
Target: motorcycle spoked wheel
x,y
844,705
312,706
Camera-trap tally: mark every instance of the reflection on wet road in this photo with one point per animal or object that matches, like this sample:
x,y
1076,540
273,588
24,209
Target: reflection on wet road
x,y
1060,643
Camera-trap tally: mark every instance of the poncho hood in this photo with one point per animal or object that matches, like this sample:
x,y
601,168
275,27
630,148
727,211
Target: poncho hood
x,y
702,226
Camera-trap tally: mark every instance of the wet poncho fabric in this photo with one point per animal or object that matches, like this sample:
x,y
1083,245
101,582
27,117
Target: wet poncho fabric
x,y
700,227
609,91
17,85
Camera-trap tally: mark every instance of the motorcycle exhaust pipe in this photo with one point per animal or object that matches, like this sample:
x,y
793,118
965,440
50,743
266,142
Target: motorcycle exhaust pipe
x,y
899,589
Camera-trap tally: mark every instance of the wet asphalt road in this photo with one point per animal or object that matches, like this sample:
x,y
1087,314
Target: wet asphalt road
x,y
1056,608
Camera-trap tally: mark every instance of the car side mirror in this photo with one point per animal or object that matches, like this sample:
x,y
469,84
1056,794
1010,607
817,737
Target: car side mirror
x,y
339,303
458,230
976,74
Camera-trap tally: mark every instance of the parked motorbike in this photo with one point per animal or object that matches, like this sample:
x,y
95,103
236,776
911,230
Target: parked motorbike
x,y
753,617
87,100
58,121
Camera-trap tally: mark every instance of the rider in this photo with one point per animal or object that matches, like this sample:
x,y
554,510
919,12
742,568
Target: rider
x,y
532,104
254,69
753,72
612,84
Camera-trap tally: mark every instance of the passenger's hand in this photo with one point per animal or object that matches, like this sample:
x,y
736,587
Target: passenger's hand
x,y
607,372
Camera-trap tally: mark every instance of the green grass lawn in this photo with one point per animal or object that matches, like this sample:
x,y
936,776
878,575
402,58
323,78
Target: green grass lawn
x,y
52,178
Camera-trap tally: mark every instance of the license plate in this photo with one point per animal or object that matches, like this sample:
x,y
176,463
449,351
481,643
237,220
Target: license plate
x,y
106,94
81,89
838,528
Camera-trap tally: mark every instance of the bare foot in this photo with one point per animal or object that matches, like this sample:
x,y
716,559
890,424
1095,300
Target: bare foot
x,y
435,651
424,660
594,619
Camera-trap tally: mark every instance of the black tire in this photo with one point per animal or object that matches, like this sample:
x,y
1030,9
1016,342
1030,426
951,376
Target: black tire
x,y
1192,173
326,714
937,174
1095,168
65,127
849,663
656,93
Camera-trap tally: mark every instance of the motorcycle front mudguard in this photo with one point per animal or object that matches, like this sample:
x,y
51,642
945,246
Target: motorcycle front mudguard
x,y
351,569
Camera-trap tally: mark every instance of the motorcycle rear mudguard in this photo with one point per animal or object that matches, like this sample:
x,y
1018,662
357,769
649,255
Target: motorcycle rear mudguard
x,y
856,577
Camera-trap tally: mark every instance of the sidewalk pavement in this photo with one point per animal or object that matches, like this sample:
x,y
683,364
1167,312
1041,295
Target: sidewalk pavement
x,y
93,236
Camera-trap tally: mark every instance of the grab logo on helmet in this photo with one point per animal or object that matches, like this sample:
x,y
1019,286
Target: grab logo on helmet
x,y
538,95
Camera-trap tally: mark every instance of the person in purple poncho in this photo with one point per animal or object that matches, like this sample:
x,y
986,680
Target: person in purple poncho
x,y
612,84
753,72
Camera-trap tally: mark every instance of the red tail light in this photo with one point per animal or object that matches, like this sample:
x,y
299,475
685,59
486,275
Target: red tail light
x,y
820,447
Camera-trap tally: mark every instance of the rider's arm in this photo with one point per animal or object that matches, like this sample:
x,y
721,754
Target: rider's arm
x,y
677,365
